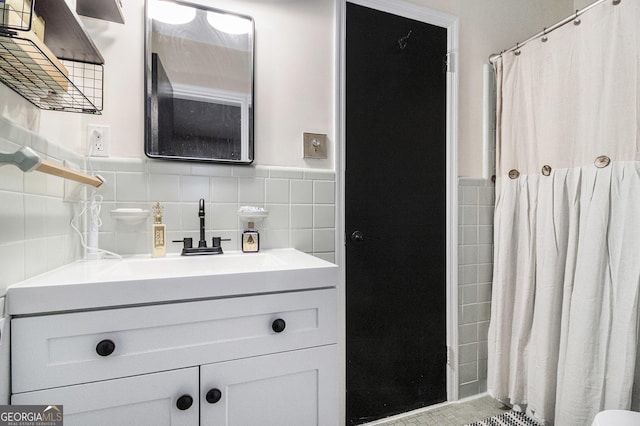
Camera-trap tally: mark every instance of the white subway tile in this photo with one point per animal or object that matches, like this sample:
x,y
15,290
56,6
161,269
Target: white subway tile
x,y
485,273
168,167
484,292
12,217
485,253
482,369
278,216
11,179
251,191
190,219
469,234
468,333
324,192
485,215
468,294
211,170
468,372
485,234
301,216
171,216
301,192
323,240
57,220
328,256
286,173
324,216
302,239
468,353
277,191
469,313
468,255
132,187
319,174
469,195
35,183
223,216
484,311
35,257
164,188
224,190
12,262
35,216
468,389
195,187
274,238
469,215
250,171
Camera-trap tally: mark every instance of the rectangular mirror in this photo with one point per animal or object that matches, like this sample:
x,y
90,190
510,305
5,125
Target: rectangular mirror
x,y
198,83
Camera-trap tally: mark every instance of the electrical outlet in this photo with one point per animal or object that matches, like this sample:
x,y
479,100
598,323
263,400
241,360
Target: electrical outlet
x,y
98,140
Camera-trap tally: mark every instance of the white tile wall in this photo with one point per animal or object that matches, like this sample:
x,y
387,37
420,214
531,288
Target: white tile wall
x,y
35,235
475,254
301,204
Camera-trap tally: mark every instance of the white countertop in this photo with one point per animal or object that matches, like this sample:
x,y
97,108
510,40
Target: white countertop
x,y
92,284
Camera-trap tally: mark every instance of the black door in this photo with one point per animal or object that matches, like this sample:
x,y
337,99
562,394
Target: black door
x,y
395,214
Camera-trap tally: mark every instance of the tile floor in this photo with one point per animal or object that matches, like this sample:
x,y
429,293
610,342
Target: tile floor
x,y
455,414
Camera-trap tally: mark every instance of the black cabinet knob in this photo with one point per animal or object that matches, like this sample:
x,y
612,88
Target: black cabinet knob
x,y
214,395
184,402
278,325
105,347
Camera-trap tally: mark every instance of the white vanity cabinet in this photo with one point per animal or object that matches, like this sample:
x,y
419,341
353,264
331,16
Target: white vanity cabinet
x,y
245,359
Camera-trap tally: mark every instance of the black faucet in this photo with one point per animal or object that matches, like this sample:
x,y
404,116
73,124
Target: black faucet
x,y
202,242
189,250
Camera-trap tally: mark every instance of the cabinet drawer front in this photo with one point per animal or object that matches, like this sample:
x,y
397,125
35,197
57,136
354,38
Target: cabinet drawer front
x,y
64,349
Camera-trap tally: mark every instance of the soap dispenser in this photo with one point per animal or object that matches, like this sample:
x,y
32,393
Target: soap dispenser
x,y
159,231
250,239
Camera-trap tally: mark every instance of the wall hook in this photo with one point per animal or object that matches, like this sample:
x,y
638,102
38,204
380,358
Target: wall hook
x,y
402,41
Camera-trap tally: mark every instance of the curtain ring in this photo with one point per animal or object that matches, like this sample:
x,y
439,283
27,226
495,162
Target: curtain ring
x,y
517,51
602,161
616,2
546,170
544,35
577,21
513,174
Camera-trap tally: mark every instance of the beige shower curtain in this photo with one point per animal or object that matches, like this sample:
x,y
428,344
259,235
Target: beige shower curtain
x,y
563,338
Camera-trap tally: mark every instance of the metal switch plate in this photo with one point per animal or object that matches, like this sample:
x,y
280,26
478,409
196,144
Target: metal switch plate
x,y
315,145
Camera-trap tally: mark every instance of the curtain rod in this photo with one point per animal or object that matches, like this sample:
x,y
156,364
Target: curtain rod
x,y
546,31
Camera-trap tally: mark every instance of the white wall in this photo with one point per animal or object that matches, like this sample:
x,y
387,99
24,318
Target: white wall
x,y
295,84
487,27
293,87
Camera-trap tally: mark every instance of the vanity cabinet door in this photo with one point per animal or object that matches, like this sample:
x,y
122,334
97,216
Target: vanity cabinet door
x,y
291,388
153,399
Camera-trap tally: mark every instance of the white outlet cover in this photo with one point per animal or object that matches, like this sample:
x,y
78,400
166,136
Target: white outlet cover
x,y
98,140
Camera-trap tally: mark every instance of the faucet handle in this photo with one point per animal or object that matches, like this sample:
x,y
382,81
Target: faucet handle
x,y
187,242
217,241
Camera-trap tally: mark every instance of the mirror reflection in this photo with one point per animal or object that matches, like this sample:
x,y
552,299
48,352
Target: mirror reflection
x,y
199,83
